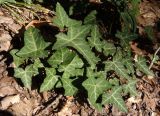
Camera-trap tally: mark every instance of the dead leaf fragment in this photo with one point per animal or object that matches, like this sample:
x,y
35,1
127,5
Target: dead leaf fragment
x,y
10,100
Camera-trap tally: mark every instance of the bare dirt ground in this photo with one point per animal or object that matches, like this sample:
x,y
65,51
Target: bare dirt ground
x,y
15,100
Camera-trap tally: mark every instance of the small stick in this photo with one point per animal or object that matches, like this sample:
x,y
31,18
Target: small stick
x,y
54,104
154,58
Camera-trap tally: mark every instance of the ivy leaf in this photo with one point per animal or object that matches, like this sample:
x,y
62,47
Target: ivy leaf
x,y
37,64
115,98
50,80
34,44
76,38
17,60
62,55
142,66
117,65
114,81
130,87
125,38
62,19
25,75
95,85
109,48
72,68
70,89
129,65
91,18
94,40
3,1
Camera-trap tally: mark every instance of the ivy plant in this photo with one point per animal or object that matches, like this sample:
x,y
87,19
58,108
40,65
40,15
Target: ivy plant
x,y
80,53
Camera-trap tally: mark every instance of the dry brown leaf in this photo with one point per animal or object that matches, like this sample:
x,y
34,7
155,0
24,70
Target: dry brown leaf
x,y
7,91
133,100
23,108
9,100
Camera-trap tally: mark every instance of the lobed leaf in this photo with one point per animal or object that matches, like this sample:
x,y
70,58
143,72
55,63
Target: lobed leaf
x,y
16,59
95,85
72,68
76,38
117,65
62,55
70,89
142,66
25,75
91,18
109,48
95,39
62,19
130,87
34,45
50,80
115,98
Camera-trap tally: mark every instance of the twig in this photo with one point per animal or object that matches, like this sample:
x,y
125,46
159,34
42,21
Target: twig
x,y
154,58
54,104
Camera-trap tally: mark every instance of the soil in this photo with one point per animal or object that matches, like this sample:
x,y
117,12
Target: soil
x,y
15,100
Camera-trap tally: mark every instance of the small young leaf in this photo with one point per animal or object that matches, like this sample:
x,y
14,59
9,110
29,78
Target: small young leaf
x,y
34,44
50,80
37,64
91,18
76,38
25,75
130,87
17,60
142,66
115,98
62,55
109,48
95,85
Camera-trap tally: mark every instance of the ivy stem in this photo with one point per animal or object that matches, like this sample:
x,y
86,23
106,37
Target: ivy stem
x,y
154,58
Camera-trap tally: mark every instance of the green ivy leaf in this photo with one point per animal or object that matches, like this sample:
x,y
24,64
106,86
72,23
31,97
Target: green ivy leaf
x,y
72,68
25,75
37,64
129,65
94,40
62,55
17,60
125,38
70,89
117,65
115,98
50,80
109,48
142,66
91,18
62,19
76,38
114,81
95,85
130,87
34,44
